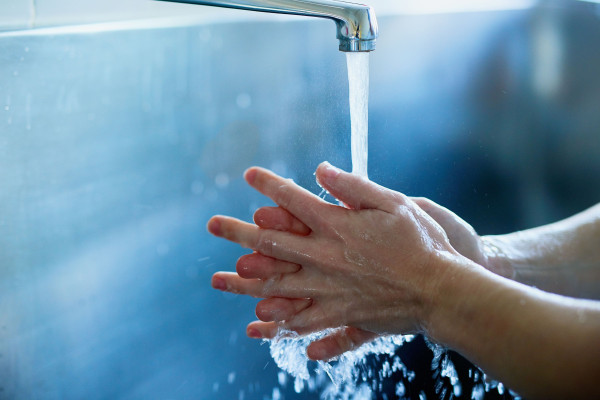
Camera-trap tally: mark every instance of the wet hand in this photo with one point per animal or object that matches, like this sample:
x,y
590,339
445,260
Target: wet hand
x,y
328,347
374,267
462,237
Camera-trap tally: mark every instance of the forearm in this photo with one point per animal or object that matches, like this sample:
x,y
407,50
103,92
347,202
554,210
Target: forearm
x,y
563,257
539,344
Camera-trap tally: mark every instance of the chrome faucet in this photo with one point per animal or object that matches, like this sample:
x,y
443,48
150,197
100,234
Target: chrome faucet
x,y
356,23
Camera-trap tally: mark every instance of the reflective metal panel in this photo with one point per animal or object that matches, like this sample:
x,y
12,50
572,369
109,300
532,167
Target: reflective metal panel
x,y
116,147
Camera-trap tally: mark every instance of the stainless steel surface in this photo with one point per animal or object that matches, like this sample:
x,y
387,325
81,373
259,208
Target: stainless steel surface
x,y
117,146
356,23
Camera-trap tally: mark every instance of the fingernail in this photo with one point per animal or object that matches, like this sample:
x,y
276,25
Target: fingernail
x,y
250,175
328,171
254,333
219,284
214,226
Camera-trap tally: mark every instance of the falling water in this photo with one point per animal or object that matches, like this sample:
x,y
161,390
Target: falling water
x,y
349,377
358,79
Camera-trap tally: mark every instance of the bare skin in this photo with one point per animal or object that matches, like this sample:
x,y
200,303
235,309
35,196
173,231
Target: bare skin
x,y
385,265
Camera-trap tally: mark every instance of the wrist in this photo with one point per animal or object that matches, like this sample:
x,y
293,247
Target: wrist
x,y
456,302
450,291
496,256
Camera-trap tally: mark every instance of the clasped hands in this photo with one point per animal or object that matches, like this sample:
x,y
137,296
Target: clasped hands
x,y
369,268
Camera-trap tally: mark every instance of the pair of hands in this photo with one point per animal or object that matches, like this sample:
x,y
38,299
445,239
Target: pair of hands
x,y
370,268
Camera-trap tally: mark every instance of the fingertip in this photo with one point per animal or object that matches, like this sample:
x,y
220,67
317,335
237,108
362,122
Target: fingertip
x,y
250,175
317,352
214,226
266,330
253,333
259,217
218,283
263,313
326,173
242,266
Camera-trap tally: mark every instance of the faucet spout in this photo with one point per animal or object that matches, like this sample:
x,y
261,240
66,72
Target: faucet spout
x,y
356,23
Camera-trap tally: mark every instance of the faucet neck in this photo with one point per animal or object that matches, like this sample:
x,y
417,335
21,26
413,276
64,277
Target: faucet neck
x,y
356,23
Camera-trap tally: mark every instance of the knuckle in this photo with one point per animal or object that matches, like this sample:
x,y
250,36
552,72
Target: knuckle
x,y
265,243
400,198
284,196
272,286
422,202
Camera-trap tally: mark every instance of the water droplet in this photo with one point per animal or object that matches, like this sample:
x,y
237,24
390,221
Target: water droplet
x,y
281,378
400,389
500,388
231,377
233,338
276,394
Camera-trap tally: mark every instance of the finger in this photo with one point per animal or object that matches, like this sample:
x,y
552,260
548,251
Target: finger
x,y
355,191
233,283
280,286
265,330
339,342
434,210
256,265
282,245
315,318
448,220
262,330
284,192
279,219
277,309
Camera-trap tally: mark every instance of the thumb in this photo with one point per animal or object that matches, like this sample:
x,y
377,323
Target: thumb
x,y
355,191
462,236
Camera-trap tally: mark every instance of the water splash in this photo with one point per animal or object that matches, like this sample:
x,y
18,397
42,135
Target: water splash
x,y
443,369
343,378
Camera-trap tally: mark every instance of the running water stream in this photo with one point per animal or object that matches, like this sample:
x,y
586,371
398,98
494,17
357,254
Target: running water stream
x,y
358,82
